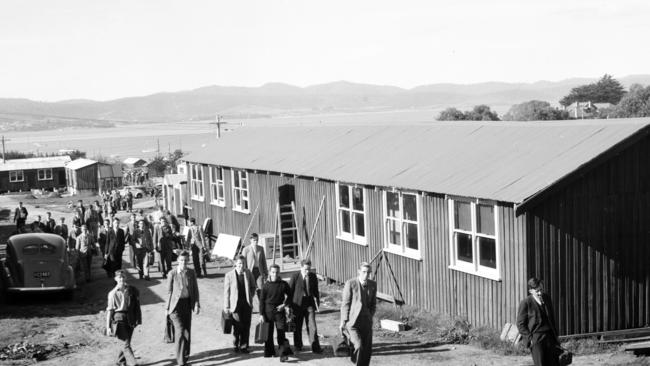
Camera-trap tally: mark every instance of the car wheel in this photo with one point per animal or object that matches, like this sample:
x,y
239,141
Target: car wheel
x,y
139,195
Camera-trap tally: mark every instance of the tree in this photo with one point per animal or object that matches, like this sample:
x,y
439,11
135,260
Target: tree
x,y
479,113
482,113
606,90
451,114
157,166
534,110
636,103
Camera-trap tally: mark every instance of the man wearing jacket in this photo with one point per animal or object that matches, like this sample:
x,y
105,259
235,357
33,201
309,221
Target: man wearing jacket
x,y
123,314
238,292
182,297
306,300
357,311
20,216
256,261
274,298
143,245
536,324
196,241
115,240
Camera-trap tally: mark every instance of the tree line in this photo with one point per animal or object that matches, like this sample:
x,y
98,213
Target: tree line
x,y
623,104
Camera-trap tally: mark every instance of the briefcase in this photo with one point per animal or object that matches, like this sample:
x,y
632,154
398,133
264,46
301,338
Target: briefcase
x,y
169,331
226,322
564,357
261,332
342,346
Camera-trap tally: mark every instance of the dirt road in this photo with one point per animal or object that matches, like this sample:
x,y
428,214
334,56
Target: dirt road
x,y
75,329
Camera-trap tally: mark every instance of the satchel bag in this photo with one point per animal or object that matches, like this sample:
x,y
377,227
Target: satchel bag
x,y
261,332
226,322
169,331
565,357
342,347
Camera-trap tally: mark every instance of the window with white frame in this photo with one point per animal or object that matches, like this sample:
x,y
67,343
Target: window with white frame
x,y
240,200
351,214
401,223
44,174
217,186
474,237
16,176
196,171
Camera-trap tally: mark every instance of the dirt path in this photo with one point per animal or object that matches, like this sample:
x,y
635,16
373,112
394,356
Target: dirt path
x,y
79,324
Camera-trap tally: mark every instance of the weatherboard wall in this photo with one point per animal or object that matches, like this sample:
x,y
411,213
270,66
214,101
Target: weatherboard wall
x,y
31,180
428,283
588,241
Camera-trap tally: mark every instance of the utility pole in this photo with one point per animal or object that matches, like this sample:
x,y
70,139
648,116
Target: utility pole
x,y
158,150
218,126
3,149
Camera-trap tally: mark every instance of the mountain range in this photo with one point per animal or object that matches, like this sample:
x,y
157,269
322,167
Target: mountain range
x,y
278,99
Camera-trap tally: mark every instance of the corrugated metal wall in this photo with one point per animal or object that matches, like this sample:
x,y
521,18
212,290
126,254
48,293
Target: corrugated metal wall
x,y
427,283
85,178
589,242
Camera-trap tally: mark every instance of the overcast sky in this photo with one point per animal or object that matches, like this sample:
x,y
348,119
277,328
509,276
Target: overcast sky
x,y
64,49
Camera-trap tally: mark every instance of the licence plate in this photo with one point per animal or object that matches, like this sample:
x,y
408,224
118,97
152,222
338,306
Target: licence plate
x,y
42,274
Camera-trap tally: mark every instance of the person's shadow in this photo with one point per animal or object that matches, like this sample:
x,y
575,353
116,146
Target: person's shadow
x,y
213,357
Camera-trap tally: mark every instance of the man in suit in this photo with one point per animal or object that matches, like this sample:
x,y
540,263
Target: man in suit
x,y
182,297
196,241
20,216
49,223
306,300
143,250
38,226
536,324
238,292
84,246
256,261
131,228
61,229
357,311
115,240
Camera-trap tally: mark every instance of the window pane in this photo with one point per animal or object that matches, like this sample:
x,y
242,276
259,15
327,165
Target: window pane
x,y
345,221
410,207
359,225
220,191
219,174
344,196
485,219
357,199
244,182
237,198
463,215
245,205
392,205
236,175
394,235
487,252
464,247
411,236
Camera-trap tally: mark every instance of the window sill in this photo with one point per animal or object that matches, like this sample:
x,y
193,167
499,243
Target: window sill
x,y
491,276
219,204
241,211
352,241
198,199
41,180
403,254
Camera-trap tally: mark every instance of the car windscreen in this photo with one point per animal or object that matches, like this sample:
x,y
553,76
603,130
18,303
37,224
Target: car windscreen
x,y
33,249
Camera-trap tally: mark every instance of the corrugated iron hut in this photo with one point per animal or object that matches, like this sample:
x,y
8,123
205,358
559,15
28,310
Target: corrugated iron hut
x,y
82,175
464,211
110,177
174,190
33,173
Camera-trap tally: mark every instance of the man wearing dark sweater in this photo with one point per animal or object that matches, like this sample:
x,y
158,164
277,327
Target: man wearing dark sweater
x,y
275,297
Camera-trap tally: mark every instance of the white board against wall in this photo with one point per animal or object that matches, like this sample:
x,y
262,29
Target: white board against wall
x,y
226,246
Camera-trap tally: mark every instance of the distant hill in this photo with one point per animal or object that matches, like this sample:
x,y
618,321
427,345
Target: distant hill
x,y
274,99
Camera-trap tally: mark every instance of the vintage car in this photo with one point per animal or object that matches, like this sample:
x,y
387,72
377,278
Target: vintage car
x,y
136,191
37,262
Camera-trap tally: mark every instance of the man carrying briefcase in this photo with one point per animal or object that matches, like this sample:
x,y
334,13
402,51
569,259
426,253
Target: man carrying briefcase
x,y
238,291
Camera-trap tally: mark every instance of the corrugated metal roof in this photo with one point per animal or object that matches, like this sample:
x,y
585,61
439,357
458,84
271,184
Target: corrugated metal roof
x,y
80,163
506,161
35,163
131,161
174,179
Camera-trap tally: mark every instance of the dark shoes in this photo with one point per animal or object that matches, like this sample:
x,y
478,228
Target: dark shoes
x,y
147,278
317,350
244,350
284,358
236,350
298,348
